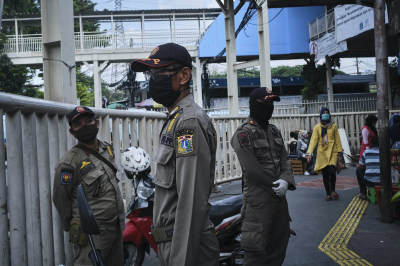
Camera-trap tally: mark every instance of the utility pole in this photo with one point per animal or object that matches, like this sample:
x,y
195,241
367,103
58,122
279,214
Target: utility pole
x,y
329,84
382,108
1,11
358,70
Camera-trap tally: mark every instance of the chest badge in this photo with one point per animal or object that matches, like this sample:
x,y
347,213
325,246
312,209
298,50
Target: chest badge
x,y
185,144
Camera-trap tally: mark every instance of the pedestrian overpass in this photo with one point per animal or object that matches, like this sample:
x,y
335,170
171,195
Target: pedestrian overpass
x,y
98,50
135,41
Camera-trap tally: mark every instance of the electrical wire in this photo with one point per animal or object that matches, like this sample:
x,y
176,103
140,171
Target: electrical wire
x,y
276,15
251,10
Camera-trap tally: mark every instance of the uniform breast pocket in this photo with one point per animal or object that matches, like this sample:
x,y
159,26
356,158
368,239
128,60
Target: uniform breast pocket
x,y
278,143
165,168
92,182
261,149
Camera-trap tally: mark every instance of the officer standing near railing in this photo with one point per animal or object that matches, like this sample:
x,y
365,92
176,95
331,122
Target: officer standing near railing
x,y
185,161
267,174
90,163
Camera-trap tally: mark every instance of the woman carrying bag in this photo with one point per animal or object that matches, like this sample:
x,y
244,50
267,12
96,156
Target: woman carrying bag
x,y
326,135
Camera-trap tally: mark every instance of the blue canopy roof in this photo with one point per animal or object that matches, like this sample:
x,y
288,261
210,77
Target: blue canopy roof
x,y
289,35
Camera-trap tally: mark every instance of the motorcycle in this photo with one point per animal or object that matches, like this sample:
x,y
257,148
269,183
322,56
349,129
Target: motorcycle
x,y
137,233
137,237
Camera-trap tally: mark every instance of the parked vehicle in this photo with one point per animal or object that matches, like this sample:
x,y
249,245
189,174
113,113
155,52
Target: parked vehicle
x,y
225,214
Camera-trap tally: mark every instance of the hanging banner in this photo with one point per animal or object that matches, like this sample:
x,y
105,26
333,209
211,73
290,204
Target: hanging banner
x,y
326,45
352,20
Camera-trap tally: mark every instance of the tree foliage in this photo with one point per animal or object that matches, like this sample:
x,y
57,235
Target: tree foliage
x,y
286,71
31,8
15,78
315,77
84,88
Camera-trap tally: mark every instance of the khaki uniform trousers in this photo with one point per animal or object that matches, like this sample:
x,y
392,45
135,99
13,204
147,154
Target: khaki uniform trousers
x,y
265,234
207,254
109,242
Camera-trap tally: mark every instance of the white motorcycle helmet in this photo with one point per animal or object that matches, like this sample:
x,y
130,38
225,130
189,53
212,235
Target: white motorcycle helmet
x,y
136,162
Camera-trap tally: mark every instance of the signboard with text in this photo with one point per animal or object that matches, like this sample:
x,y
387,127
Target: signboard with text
x,y
352,20
326,45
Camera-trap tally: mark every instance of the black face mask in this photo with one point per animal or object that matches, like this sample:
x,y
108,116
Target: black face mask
x,y
161,90
87,133
261,112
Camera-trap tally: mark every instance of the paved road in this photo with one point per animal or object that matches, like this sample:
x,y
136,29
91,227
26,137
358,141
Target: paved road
x,y
313,217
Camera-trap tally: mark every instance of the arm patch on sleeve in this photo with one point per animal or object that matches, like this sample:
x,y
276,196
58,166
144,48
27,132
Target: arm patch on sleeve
x,y
184,140
244,139
66,176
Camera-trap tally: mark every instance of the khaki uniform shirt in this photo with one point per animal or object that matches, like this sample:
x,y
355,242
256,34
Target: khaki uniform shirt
x,y
184,178
99,183
263,158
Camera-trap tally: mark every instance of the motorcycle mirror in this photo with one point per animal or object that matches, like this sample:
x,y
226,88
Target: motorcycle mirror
x,y
88,222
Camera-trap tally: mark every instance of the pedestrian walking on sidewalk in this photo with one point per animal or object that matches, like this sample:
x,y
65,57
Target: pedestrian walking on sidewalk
x,y
302,146
185,163
91,164
326,136
368,132
267,174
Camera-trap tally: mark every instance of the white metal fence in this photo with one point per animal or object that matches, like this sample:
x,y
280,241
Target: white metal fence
x,y
36,137
106,40
352,104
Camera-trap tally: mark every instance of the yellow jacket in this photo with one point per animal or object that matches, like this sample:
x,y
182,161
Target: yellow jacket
x,y
328,148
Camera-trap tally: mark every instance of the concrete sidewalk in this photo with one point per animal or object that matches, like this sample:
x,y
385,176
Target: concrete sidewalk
x,y
313,218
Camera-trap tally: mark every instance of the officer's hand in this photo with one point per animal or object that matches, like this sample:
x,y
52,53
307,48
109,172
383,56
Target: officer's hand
x,y
282,187
308,157
76,235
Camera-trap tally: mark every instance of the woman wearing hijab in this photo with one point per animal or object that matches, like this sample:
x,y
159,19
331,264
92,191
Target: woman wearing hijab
x,y
326,135
368,132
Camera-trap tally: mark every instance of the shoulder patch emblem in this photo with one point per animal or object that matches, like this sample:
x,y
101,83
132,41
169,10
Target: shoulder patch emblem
x,y
185,141
244,139
65,177
252,122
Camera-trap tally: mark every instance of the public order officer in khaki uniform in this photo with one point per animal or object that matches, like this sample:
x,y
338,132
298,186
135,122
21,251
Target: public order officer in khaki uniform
x,y
90,163
267,174
185,161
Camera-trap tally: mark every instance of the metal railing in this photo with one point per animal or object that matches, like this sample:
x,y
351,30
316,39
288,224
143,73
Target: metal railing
x,y
106,40
36,136
227,165
321,25
353,104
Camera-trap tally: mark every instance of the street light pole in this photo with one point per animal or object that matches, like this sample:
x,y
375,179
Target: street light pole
x,y
1,11
382,108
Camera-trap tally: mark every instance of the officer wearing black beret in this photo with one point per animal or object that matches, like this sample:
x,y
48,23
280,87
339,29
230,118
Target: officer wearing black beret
x,y
267,174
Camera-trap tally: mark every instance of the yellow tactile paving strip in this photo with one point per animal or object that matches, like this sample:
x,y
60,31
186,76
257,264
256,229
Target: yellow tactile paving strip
x,y
335,242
